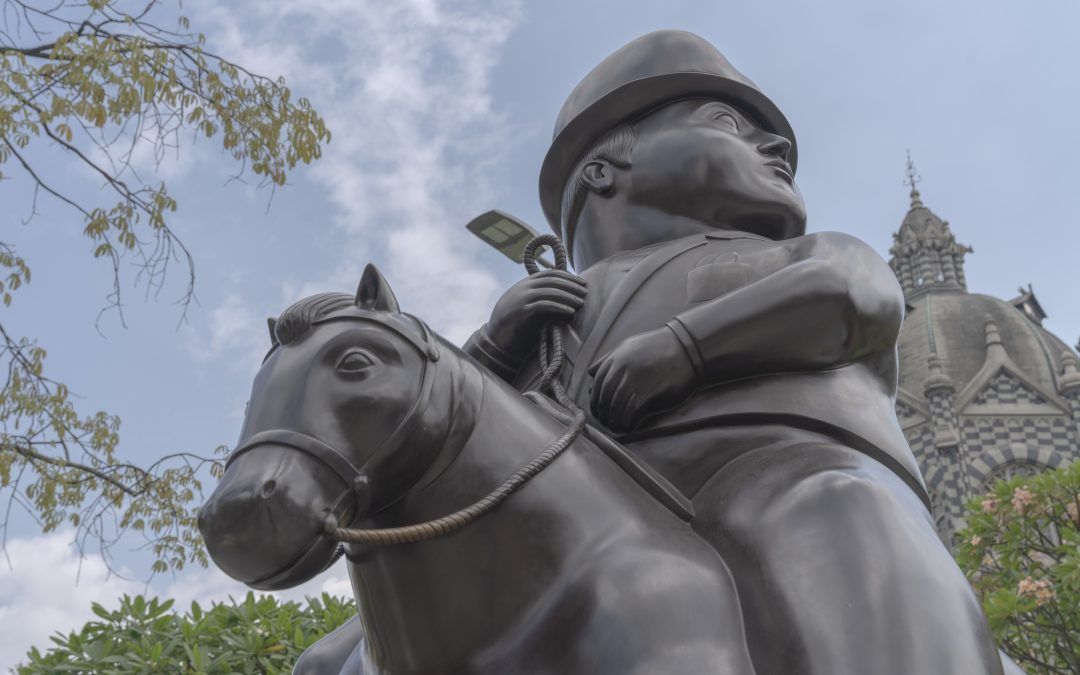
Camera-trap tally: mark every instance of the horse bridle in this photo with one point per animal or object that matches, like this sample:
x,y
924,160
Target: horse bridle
x,y
551,361
337,461
356,493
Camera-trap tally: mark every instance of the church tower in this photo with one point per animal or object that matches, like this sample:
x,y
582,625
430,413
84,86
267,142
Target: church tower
x,y
925,254
985,391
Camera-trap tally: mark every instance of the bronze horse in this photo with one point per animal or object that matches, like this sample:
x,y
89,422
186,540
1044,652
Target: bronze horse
x,y
361,416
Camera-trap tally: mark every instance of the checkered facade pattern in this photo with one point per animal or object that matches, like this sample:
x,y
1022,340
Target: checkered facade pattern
x,y
1006,390
989,448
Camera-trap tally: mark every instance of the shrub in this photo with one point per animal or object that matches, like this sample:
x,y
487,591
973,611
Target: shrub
x,y
1021,552
257,635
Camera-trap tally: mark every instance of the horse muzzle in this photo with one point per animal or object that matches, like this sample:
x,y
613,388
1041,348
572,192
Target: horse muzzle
x,y
264,524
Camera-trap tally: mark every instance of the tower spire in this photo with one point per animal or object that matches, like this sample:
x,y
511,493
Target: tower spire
x,y
913,178
925,254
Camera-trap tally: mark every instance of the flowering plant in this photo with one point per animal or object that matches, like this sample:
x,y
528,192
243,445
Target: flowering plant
x,y
1021,552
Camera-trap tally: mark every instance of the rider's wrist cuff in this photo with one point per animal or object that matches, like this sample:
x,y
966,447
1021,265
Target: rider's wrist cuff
x,y
481,347
689,346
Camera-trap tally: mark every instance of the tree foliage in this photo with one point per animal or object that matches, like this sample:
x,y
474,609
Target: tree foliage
x,y
258,635
1021,552
102,83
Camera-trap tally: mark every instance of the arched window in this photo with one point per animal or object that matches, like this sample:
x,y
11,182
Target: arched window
x,y
1012,469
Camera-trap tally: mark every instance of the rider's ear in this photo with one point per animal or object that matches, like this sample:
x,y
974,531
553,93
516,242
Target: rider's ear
x,y
598,176
374,292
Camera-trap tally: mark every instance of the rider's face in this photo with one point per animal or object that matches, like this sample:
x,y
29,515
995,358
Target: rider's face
x,y
706,160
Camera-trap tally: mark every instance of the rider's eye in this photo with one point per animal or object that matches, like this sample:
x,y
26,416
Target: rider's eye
x,y
355,361
727,118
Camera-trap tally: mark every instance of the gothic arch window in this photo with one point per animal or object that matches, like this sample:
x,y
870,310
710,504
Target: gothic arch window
x,y
1012,469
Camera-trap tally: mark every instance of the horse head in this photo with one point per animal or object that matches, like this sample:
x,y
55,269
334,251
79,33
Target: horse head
x,y
342,421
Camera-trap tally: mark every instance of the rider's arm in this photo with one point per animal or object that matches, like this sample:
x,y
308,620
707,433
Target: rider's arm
x,y
481,347
835,302
510,335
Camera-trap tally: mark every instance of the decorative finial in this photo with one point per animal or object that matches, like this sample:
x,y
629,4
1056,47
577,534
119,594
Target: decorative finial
x,y
936,379
1070,374
993,337
913,178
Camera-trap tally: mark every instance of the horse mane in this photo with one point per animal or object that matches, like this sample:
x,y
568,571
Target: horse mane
x,y
298,319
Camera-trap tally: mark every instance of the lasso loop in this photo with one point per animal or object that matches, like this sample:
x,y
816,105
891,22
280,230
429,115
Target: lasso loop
x,y
552,358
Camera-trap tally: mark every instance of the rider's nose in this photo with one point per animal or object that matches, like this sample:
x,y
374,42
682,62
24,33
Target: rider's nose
x,y
775,145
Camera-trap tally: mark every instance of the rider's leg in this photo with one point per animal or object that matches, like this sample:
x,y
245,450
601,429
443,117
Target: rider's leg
x,y
839,569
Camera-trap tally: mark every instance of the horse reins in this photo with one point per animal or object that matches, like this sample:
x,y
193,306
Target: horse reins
x,y
551,361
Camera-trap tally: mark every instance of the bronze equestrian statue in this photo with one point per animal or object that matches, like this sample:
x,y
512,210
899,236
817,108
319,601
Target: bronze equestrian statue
x,y
751,364
751,367
359,412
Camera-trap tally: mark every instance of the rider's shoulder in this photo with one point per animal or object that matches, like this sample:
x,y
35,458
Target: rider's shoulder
x,y
831,244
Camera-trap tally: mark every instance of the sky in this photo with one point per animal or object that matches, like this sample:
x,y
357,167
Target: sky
x,y
441,110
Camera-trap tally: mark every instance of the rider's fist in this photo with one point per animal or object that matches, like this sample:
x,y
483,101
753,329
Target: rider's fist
x,y
644,374
550,295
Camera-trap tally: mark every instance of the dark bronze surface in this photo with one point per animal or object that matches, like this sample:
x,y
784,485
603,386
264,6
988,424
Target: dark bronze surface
x,y
749,370
581,571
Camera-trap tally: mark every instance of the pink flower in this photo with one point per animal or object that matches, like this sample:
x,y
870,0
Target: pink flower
x,y
989,505
1022,498
975,540
1042,590
1045,594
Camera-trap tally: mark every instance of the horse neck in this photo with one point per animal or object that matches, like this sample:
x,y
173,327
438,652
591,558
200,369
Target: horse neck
x,y
430,604
484,428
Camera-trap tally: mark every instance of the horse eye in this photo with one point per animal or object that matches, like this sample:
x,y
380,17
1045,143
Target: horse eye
x,y
355,361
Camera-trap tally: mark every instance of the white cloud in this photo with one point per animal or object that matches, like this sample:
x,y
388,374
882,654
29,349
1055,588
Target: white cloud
x,y
39,596
233,327
405,89
48,589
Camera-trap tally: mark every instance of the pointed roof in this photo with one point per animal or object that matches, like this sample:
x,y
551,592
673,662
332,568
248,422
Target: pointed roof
x,y
996,362
923,227
925,255
1027,303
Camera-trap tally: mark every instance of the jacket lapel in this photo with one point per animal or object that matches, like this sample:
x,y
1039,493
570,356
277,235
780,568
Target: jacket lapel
x,y
615,303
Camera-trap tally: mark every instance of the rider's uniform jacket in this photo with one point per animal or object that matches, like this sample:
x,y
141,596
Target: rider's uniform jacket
x,y
676,284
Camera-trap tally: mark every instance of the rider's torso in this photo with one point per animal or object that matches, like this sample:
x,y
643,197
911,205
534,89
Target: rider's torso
x,y
637,291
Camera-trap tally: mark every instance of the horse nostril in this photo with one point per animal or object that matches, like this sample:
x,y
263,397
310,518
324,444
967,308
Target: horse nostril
x,y
268,488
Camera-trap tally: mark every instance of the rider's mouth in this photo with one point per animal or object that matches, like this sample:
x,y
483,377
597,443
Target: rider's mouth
x,y
782,169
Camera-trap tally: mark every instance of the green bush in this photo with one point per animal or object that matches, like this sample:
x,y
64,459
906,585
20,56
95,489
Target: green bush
x,y
258,635
1021,552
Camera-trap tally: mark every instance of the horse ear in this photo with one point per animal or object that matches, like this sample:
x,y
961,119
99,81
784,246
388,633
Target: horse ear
x,y
271,323
374,292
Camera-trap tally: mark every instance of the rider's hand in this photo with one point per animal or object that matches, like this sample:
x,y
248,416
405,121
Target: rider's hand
x,y
645,373
520,314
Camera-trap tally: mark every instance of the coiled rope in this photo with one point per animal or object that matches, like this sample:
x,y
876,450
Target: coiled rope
x,y
551,362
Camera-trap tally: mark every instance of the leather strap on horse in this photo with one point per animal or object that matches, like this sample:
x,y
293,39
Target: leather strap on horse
x,y
551,361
